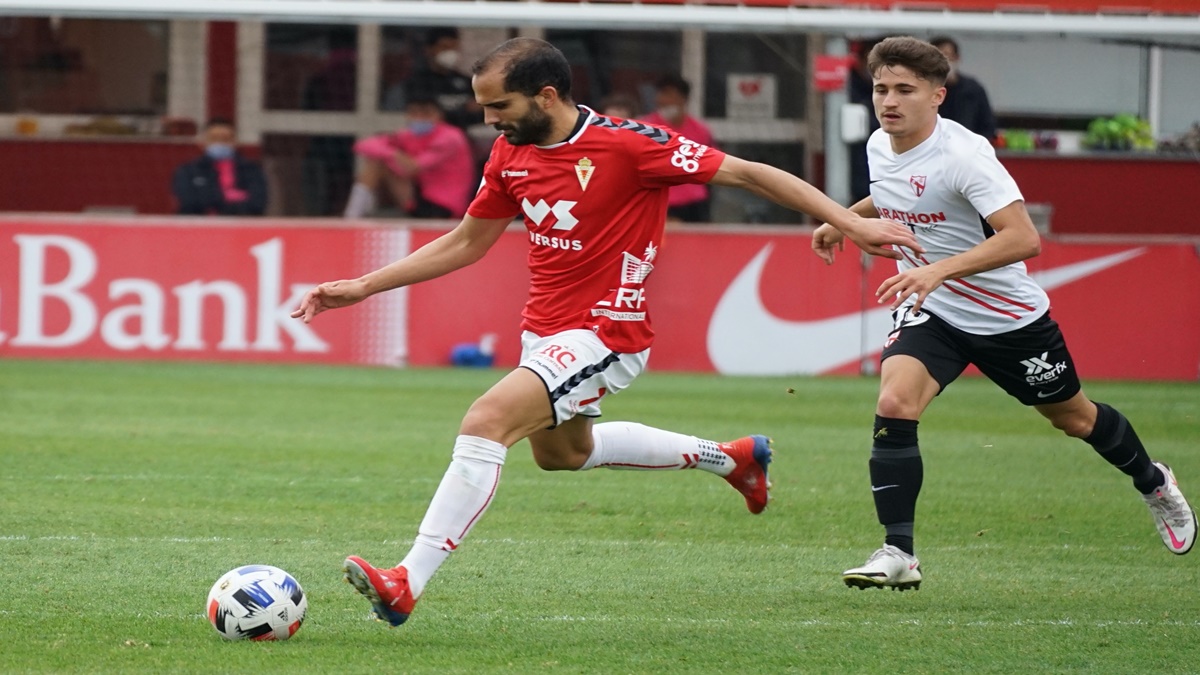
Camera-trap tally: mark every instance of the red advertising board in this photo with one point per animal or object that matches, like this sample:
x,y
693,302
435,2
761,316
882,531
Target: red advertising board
x,y
753,301
187,289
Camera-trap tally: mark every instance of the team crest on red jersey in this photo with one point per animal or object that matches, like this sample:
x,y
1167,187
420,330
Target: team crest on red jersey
x,y
918,184
584,171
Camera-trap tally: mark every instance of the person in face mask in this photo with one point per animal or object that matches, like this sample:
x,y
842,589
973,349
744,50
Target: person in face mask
x,y
966,100
427,166
221,181
441,77
688,203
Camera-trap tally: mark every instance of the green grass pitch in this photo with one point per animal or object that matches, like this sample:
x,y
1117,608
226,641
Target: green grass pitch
x,y
126,489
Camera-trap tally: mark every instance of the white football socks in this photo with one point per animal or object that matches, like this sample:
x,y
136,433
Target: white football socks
x,y
628,445
361,202
464,494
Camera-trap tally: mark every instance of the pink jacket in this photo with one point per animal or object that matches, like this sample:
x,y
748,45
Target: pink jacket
x,y
445,167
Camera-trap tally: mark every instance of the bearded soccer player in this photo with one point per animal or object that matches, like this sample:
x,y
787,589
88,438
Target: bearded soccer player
x,y
594,194
966,300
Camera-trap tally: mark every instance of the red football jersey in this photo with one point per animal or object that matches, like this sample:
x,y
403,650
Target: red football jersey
x,y
594,207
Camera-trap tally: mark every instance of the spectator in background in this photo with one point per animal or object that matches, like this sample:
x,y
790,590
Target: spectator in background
x,y
221,181
427,166
620,105
440,77
688,203
966,101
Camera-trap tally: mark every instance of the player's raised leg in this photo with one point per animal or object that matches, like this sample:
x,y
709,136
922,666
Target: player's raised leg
x,y
630,446
1113,437
579,372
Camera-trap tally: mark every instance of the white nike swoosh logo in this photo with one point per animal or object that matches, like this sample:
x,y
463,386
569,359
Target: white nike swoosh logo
x,y
882,487
1048,394
744,338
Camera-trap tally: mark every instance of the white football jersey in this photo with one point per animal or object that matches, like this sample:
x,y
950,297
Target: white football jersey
x,y
943,189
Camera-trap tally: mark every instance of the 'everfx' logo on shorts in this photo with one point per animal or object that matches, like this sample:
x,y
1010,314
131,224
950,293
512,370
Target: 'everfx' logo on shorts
x,y
1038,370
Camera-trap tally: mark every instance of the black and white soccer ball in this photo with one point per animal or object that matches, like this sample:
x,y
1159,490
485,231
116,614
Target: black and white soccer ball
x,y
256,602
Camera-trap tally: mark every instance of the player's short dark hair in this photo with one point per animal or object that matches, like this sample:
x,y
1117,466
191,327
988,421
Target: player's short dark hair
x,y
528,66
218,122
943,40
674,81
434,35
922,58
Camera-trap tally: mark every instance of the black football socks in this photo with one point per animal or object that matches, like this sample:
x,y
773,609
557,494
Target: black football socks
x,y
896,475
1115,440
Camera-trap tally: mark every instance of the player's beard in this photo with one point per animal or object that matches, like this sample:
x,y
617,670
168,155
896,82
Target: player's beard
x,y
532,128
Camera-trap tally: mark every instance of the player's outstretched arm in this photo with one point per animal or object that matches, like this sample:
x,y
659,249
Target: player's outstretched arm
x,y
870,234
465,244
827,240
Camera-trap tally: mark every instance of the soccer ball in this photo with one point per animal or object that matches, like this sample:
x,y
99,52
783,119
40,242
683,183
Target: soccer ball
x,y
258,602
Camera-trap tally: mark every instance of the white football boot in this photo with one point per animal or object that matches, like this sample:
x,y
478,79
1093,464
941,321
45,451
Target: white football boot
x,y
889,567
1174,517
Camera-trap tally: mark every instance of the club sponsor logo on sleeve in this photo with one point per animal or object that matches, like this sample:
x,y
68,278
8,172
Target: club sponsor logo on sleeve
x,y
687,155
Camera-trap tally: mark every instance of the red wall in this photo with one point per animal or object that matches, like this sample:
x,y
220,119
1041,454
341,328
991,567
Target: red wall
x,y
1092,195
1117,195
73,175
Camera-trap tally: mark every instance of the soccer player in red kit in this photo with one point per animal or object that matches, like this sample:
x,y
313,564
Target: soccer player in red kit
x,y
593,192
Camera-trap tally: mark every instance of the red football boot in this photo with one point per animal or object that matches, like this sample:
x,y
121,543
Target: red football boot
x,y
749,477
387,589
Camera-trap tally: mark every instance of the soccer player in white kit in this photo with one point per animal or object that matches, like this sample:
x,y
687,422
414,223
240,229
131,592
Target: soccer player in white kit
x,y
966,300
593,190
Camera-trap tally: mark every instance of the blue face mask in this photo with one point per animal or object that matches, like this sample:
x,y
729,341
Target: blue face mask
x,y
421,127
219,151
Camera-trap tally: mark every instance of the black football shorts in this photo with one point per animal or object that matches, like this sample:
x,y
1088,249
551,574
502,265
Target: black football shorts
x,y
1031,363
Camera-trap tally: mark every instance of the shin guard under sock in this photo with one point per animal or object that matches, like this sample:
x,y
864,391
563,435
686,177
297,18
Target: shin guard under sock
x,y
1114,439
896,476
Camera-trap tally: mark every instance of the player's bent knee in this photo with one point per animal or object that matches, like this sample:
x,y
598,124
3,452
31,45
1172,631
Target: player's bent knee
x,y
554,463
486,421
896,407
558,457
